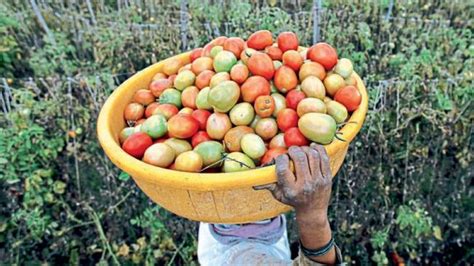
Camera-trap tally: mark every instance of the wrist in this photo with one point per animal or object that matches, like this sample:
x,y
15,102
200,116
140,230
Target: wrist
x,y
314,218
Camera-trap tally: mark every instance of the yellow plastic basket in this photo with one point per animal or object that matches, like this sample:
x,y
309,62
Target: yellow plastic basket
x,y
207,197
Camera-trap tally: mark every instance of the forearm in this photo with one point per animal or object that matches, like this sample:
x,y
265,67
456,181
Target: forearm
x,y
315,233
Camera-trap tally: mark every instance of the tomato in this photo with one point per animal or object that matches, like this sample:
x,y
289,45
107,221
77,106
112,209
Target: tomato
x,y
337,111
184,79
351,80
349,96
185,67
224,61
287,41
171,96
313,87
204,79
310,105
182,126
274,52
172,65
218,78
271,154
324,54
254,87
277,64
333,82
188,97
344,67
158,76
312,69
253,146
199,137
294,137
210,151
151,108
136,144
201,116
195,54
155,126
242,114
245,55
266,128
278,141
141,121
201,99
285,79
144,97
234,45
215,50
217,125
178,145
280,103
236,162
159,85
293,59
264,105
186,110
219,40
260,39
293,98
166,109
287,118
233,137
239,73
189,161
125,133
161,140
201,64
133,112
206,50
320,128
260,64
255,121
159,154
224,96
172,78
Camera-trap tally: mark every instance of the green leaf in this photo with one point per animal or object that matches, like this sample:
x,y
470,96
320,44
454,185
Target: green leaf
x,y
124,176
437,232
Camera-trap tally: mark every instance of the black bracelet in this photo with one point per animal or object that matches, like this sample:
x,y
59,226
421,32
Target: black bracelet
x,y
317,252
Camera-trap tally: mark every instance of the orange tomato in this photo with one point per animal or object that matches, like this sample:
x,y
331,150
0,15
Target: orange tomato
x,y
133,112
182,126
239,73
264,106
260,39
201,64
219,41
158,76
287,41
348,96
234,45
324,54
217,125
159,85
266,128
151,108
260,64
274,52
206,51
312,69
172,66
195,54
144,97
204,79
292,59
254,87
188,161
166,109
188,97
285,79
234,135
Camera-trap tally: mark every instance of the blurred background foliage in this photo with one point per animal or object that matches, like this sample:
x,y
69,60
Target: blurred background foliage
x,y
405,190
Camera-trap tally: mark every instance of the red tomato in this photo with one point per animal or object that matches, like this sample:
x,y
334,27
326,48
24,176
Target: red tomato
x,y
166,109
264,106
182,126
133,111
239,73
271,154
293,98
254,87
260,39
287,41
234,45
158,86
274,52
292,59
324,54
287,118
144,97
206,51
195,54
199,137
201,116
137,144
348,96
261,64
188,97
151,108
285,79
204,78
294,137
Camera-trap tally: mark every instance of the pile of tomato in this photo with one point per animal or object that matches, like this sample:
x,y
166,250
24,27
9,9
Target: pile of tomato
x,y
238,104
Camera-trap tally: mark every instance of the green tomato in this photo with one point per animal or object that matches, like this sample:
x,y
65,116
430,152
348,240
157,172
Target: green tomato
x,y
253,145
337,111
224,96
317,127
242,114
236,162
155,126
184,79
171,96
201,99
210,151
215,50
224,61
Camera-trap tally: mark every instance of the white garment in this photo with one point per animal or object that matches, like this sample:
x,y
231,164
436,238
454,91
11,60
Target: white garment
x,y
212,252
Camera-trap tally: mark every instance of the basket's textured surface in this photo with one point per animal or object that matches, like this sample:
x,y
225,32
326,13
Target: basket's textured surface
x,y
216,197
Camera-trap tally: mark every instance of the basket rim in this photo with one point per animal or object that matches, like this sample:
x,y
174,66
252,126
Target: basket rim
x,y
142,171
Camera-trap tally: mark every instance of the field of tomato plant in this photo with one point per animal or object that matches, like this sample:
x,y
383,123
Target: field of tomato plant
x,y
404,191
